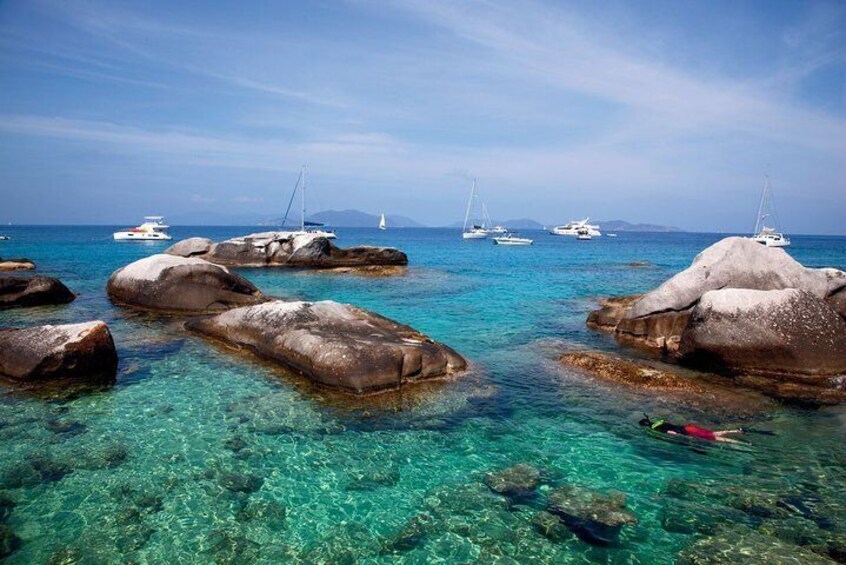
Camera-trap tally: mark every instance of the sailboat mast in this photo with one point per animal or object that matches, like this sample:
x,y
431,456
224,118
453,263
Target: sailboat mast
x,y
760,219
469,204
303,209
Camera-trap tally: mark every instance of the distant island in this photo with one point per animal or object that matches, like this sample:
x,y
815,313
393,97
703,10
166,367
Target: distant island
x,y
622,225
359,219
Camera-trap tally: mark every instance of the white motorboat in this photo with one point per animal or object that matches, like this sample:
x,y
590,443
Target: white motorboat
x,y
153,229
499,229
383,224
475,230
769,236
4,238
572,228
306,227
512,239
583,234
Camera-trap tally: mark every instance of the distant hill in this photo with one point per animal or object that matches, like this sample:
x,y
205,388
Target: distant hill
x,y
622,225
522,224
359,219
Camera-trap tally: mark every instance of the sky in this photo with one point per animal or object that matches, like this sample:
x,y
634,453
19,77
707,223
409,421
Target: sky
x,y
665,112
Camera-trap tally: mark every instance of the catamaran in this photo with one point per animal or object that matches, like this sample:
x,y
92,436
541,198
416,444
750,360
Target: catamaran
x,y
153,229
763,234
383,224
572,228
476,230
305,226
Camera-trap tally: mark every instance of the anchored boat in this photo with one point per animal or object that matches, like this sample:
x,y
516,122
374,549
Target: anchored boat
x,y
153,229
769,236
512,238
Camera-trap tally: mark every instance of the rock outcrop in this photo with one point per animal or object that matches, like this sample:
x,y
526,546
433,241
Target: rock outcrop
x,y
185,285
32,291
286,249
774,332
741,308
16,265
83,351
517,481
335,345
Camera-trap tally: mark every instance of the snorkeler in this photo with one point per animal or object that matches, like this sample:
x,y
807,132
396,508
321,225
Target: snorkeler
x,y
663,426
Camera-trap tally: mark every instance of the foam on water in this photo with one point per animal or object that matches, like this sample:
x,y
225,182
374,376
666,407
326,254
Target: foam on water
x,y
200,455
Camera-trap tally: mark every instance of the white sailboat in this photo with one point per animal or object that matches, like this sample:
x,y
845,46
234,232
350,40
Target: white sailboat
x,y
476,231
763,234
383,224
306,226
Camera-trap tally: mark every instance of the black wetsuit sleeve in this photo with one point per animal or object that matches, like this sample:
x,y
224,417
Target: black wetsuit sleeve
x,y
667,428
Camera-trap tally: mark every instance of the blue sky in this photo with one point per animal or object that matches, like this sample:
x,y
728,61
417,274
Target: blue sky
x,y
666,112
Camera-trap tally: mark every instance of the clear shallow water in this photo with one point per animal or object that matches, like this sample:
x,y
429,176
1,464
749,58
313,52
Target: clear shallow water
x,y
198,455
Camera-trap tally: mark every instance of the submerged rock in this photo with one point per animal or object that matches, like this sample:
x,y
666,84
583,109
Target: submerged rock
x,y
16,265
595,517
270,513
9,542
73,351
774,332
17,292
516,481
742,545
168,283
240,482
286,249
333,344
6,507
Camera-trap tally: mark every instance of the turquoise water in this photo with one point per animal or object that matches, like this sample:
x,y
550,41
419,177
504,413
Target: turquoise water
x,y
197,455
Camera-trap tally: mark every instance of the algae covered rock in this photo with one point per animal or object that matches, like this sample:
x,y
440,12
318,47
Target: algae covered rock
x,y
518,480
594,516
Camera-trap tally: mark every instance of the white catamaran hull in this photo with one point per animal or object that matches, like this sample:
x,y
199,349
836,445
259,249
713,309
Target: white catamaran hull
x,y
772,241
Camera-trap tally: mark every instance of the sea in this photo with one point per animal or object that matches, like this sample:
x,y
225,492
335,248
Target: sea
x,y
201,454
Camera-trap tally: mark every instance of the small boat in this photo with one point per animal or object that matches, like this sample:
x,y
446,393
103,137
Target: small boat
x,y
476,230
383,224
763,234
153,229
583,234
4,238
511,238
499,229
572,228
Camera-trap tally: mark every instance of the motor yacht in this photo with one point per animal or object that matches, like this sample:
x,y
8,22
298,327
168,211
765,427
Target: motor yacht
x,y
572,228
512,238
153,229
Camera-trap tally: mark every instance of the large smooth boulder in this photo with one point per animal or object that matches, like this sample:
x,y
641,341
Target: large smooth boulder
x,y
737,262
45,353
334,344
658,319
777,332
16,265
168,283
32,291
286,249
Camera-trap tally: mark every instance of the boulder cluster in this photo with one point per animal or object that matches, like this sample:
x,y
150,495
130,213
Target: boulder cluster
x,y
287,249
334,345
744,310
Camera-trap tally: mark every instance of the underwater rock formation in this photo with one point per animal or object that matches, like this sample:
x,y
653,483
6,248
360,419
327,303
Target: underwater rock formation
x,y
516,481
287,249
593,516
47,353
335,345
167,283
16,292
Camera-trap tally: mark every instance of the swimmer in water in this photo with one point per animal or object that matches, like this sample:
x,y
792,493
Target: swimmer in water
x,y
663,426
